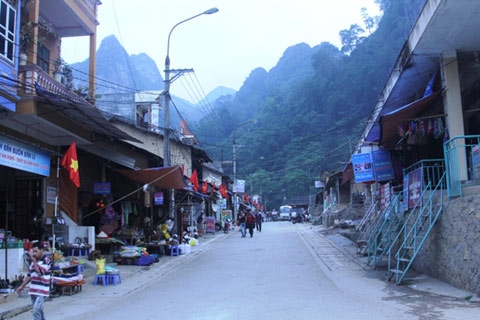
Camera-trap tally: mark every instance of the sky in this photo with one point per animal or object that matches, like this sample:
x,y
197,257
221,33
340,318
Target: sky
x,y
222,48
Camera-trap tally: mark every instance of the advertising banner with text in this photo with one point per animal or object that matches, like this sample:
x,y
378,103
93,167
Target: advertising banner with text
x,y
362,167
18,155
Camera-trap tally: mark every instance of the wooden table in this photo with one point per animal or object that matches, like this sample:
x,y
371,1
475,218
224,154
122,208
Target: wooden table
x,y
108,245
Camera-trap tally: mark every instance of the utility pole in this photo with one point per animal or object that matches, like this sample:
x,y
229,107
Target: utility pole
x,y
168,81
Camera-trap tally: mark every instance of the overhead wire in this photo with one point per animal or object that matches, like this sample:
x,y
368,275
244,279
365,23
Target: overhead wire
x,y
122,43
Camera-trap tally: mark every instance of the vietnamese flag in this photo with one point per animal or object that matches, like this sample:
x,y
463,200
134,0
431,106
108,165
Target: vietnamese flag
x,y
70,162
194,180
205,187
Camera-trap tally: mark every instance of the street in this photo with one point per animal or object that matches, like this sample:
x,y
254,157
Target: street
x,y
285,272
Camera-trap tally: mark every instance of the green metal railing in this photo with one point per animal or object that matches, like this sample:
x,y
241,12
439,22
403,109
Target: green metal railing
x,y
462,162
432,169
384,231
416,229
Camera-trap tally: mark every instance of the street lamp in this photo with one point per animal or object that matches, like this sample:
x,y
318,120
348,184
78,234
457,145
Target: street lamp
x,y
234,160
166,130
166,134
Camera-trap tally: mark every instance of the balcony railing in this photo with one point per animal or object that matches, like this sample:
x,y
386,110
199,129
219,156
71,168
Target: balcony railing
x,y
31,74
462,159
91,5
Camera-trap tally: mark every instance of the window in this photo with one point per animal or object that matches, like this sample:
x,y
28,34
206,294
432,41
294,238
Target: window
x,y
7,30
43,58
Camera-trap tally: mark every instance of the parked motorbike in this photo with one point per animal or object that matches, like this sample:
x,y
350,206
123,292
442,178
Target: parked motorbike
x,y
226,227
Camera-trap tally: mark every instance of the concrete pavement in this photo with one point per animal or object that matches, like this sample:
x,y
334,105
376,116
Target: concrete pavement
x,y
135,277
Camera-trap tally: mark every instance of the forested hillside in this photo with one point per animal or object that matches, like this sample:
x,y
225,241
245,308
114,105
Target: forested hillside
x,y
309,109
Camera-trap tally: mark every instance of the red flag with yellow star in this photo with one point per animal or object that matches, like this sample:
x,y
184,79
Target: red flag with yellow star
x,y
70,162
194,180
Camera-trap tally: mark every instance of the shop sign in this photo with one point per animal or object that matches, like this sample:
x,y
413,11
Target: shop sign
x,y
382,164
158,198
51,194
415,187
319,184
362,167
222,203
405,193
385,195
476,162
102,188
226,214
476,156
15,154
239,187
210,225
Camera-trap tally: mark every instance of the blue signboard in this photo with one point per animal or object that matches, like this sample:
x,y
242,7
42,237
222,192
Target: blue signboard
x,y
102,188
18,155
362,167
382,165
158,199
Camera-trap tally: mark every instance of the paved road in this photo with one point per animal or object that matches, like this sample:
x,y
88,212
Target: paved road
x,y
285,272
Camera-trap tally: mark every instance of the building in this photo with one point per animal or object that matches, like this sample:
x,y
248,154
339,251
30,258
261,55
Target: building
x,y
421,145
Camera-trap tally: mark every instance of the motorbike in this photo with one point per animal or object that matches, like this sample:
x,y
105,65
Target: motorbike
x,y
226,227
297,219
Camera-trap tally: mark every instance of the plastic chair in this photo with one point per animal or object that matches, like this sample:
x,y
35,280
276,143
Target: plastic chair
x,y
174,250
81,252
114,279
102,277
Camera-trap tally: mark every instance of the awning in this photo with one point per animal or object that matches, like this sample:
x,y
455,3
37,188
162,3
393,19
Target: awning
x,y
80,112
347,173
196,193
389,122
162,177
105,153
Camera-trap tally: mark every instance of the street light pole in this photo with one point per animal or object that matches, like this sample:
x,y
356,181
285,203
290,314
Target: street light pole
x,y
234,161
166,130
166,133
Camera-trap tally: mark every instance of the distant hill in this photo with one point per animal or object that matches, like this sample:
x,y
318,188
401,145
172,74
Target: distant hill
x,y
121,73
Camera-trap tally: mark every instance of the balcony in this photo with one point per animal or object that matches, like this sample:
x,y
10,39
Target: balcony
x,y
31,74
71,18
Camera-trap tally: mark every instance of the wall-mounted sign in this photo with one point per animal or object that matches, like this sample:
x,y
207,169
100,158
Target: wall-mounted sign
x,y
51,194
102,188
362,167
158,198
319,184
18,155
382,165
239,187
222,203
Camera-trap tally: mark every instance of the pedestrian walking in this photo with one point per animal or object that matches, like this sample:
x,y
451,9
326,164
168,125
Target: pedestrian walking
x,y
274,215
258,221
241,223
250,222
39,274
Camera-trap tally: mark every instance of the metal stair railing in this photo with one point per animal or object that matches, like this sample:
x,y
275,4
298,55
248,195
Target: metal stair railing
x,y
365,227
388,230
423,217
374,237
367,216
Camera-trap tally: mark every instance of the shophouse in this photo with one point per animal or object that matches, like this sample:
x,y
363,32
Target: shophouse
x,y
419,152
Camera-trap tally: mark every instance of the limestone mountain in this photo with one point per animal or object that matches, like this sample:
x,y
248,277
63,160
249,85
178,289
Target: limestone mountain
x,y
119,72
